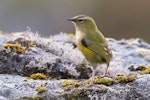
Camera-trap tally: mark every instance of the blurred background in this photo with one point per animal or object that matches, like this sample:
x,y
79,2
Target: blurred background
x,y
115,18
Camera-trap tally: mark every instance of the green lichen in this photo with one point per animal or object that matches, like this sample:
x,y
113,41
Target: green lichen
x,y
37,98
23,42
121,79
76,94
26,98
38,76
41,89
20,45
31,98
16,47
131,78
69,84
64,93
146,71
125,79
141,68
131,68
82,92
104,81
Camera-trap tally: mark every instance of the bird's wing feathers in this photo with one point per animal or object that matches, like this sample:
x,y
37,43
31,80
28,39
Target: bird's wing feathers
x,y
100,49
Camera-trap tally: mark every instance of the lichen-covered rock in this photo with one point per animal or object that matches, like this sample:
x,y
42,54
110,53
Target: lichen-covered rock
x,y
56,57
13,87
49,56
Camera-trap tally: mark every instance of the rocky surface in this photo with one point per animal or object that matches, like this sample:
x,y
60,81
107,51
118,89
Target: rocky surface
x,y
25,53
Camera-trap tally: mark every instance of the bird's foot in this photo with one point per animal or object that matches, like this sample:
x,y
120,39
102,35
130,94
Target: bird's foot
x,y
105,75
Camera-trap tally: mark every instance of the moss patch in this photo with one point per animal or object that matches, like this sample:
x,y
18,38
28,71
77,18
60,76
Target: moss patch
x,y
143,69
69,84
25,43
82,93
125,79
131,78
31,98
26,98
139,68
15,47
20,45
146,71
41,89
38,76
104,81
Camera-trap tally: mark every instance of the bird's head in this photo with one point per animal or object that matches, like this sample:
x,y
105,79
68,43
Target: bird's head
x,y
83,23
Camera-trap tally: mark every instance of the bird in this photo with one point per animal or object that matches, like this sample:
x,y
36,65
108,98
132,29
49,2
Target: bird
x,y
92,43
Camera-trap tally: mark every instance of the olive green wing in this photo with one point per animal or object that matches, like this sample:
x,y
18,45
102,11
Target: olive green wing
x,y
100,49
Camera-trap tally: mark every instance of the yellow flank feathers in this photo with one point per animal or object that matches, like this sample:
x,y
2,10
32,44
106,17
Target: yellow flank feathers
x,y
85,50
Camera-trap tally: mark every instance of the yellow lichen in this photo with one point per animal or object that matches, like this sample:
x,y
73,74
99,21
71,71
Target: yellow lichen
x,y
104,81
26,98
125,79
75,93
121,79
131,78
141,68
131,68
37,98
25,43
87,81
38,76
19,45
31,98
146,71
64,93
41,89
18,48
78,93
70,84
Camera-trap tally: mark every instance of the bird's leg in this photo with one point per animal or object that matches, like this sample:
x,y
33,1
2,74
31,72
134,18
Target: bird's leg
x,y
92,78
105,72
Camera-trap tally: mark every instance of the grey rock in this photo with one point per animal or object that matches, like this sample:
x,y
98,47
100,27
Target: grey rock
x,y
56,57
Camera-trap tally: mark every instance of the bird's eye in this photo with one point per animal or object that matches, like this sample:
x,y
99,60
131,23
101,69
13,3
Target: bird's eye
x,y
81,21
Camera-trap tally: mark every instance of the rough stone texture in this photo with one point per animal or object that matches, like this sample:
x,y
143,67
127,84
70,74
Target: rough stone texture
x,y
56,57
13,87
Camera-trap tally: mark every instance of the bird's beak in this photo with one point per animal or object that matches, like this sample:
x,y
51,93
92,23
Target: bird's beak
x,y
71,19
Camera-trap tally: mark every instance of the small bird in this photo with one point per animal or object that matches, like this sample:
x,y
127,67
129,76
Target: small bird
x,y
91,43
